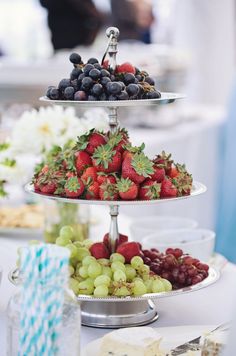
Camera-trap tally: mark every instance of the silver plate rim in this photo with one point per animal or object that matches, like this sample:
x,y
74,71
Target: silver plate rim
x,y
214,275
166,97
198,188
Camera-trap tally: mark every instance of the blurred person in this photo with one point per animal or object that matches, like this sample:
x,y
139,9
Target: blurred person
x,y
72,22
133,18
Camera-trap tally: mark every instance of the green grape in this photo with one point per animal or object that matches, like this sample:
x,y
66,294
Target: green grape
x,y
74,262
158,286
167,285
82,252
136,262
86,287
78,278
117,257
78,244
94,270
137,279
121,292
74,285
87,243
130,272
107,271
83,271
144,269
62,241
104,262
139,288
78,265
73,250
79,235
117,265
87,260
34,242
148,284
67,232
119,276
71,270
101,291
105,280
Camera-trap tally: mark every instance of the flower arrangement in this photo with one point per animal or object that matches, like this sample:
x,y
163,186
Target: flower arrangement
x,y
36,132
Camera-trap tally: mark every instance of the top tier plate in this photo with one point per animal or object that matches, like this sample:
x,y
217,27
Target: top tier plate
x,y
165,98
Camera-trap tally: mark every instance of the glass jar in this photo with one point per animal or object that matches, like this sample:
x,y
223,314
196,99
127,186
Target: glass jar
x,y
68,333
58,214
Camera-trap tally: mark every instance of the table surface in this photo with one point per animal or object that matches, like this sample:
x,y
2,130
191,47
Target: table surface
x,y
210,306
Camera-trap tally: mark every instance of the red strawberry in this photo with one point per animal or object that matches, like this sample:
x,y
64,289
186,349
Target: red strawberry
x,y
182,181
108,191
82,160
149,190
74,187
105,64
137,167
121,239
125,68
168,190
102,177
90,141
92,191
173,172
48,188
45,169
127,189
159,174
129,250
70,174
118,140
105,159
90,174
164,160
99,250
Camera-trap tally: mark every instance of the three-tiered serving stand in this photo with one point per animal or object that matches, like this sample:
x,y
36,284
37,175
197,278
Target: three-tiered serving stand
x,y
113,312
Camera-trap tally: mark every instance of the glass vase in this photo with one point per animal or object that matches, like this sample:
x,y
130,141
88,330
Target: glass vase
x,y
58,214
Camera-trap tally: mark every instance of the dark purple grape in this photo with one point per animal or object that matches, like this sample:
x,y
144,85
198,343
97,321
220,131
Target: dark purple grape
x,y
188,281
113,78
166,275
75,58
147,260
105,73
149,80
103,97
112,98
181,278
94,74
97,66
80,95
154,250
115,88
132,90
69,93
75,73
123,95
192,271
139,77
155,267
92,60
54,94
129,78
87,83
87,68
63,84
196,279
122,85
97,89
49,89
153,95
92,98
183,268
175,273
104,81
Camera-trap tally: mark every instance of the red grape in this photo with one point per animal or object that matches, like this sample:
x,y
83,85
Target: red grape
x,y
177,252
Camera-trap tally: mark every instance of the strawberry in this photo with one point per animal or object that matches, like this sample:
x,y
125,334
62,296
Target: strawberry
x,y
118,140
105,64
108,191
127,189
107,160
90,141
90,174
74,187
48,188
102,177
159,173
129,250
137,167
149,190
70,174
168,190
173,172
121,239
125,68
99,250
164,160
182,181
92,191
129,150
82,160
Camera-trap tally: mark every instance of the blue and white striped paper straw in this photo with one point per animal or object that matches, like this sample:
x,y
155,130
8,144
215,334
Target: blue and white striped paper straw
x,y
45,274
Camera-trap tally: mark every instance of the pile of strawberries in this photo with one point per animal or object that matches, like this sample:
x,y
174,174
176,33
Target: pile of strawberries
x,y
106,166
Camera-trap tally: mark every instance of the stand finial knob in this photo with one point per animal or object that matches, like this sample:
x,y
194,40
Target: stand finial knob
x,y
112,31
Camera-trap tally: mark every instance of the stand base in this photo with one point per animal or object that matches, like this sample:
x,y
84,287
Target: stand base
x,y
118,314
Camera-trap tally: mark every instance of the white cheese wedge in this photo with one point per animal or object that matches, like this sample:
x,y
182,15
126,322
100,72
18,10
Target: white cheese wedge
x,y
140,341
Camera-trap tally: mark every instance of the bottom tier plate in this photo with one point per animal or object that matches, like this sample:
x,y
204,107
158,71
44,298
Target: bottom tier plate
x,y
114,312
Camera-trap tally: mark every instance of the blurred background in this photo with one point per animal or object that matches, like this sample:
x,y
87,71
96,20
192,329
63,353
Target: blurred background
x,y
188,46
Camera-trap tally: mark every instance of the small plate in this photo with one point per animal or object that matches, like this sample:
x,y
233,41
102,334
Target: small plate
x,y
172,337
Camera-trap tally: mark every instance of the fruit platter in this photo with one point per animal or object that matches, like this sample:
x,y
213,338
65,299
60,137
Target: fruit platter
x,y
115,279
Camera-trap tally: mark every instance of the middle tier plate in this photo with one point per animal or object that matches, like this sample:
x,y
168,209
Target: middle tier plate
x,y
198,188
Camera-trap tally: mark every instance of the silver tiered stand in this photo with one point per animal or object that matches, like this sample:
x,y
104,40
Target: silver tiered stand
x,y
114,312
